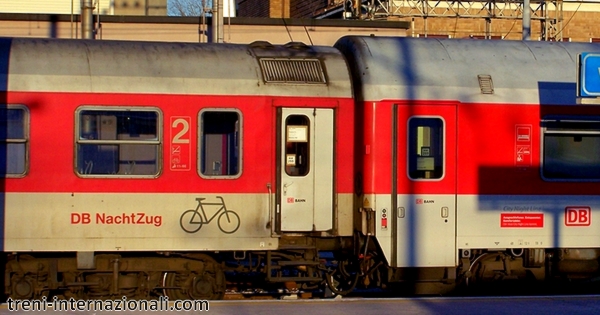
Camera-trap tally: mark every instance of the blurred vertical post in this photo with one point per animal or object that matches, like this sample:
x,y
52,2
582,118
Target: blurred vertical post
x,y
87,19
217,21
526,20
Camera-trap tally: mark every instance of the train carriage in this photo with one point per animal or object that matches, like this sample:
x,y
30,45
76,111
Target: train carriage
x,y
128,147
477,154
145,169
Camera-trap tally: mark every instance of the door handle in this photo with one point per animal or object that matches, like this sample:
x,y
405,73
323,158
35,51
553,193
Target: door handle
x,y
445,212
401,212
285,186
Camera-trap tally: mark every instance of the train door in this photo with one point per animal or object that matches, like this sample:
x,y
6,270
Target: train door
x,y
305,169
425,187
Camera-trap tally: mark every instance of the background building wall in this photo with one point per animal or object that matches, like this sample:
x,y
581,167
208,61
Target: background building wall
x,y
579,20
140,7
191,29
254,8
281,8
303,8
577,26
51,6
103,7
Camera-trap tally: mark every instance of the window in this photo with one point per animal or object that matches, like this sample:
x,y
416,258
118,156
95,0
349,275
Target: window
x,y
425,148
571,149
296,145
220,143
118,142
14,141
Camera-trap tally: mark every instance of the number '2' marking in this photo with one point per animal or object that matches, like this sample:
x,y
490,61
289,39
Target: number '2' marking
x,y
180,137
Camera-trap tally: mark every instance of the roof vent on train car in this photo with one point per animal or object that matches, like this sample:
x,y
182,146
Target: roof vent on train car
x,y
485,83
296,45
261,44
284,70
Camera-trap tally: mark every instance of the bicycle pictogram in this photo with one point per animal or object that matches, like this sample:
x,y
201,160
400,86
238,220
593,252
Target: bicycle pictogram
x,y
192,220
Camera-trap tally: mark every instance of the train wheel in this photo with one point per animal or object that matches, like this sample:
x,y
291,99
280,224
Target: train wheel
x,y
207,284
22,287
26,285
342,280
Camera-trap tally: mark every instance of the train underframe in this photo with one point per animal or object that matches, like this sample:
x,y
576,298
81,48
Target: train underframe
x,y
327,267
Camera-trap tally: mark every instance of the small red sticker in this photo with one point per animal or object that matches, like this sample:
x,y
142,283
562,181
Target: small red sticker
x,y
522,220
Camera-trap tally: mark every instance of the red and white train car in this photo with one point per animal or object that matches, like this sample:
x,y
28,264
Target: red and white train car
x,y
122,147
477,154
146,169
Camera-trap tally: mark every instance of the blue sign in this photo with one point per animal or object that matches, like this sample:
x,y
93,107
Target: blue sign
x,y
589,75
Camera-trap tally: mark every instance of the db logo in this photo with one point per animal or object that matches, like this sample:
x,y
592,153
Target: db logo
x,y
578,216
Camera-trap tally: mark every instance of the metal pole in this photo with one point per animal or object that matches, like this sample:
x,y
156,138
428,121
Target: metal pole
x,y
221,21
98,28
72,6
204,38
214,24
87,19
526,20
217,21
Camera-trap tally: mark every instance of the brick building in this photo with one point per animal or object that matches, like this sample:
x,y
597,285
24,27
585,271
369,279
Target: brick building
x,y
573,20
281,8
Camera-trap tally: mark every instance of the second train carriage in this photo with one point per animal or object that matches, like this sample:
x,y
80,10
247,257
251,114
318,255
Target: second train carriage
x,y
477,155
146,169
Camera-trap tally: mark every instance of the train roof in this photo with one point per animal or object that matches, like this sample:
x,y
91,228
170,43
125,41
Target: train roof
x,y
526,72
65,65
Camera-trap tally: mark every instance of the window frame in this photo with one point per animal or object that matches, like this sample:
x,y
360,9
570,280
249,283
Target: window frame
x,y
108,108
545,125
409,150
306,125
26,140
200,143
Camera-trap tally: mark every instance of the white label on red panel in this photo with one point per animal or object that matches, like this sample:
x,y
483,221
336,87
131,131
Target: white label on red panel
x,y
523,145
